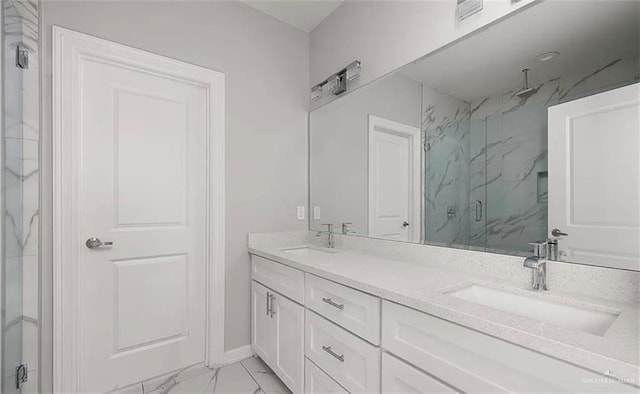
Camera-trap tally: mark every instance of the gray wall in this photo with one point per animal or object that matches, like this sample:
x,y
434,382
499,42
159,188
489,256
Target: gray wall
x,y
385,35
339,149
266,64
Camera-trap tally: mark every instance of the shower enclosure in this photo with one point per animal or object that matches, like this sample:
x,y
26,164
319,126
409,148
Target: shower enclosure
x,y
19,196
485,163
11,202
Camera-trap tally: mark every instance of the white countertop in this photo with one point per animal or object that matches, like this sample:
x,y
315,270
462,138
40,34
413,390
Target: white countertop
x,y
420,287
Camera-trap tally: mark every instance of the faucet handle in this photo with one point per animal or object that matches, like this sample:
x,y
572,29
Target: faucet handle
x,y
540,248
346,228
329,227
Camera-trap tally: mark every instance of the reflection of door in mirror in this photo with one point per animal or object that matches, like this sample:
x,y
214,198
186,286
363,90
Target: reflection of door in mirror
x,y
594,177
394,180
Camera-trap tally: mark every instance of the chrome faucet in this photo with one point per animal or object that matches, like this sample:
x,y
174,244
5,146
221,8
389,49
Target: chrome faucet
x,y
347,229
538,263
329,233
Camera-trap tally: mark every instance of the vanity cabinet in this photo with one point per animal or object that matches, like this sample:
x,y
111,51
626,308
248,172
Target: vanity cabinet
x,y
316,381
474,362
399,377
263,336
285,280
354,310
277,332
349,360
322,337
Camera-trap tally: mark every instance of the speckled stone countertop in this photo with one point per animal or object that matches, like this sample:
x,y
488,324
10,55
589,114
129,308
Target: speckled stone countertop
x,y
424,288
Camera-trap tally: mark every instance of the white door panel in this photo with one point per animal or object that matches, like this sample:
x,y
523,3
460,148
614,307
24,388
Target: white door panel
x,y
289,338
142,187
394,180
141,167
594,177
263,331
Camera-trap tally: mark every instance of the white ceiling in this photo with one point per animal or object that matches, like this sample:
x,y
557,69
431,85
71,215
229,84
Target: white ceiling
x,y
586,33
303,14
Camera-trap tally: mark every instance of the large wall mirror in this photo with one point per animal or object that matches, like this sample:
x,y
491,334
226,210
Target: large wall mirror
x,y
526,130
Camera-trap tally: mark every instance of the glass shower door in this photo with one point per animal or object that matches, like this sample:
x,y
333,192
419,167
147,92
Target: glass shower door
x,y
477,211
11,201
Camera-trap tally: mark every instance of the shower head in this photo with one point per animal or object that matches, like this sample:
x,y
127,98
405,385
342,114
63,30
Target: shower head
x,y
526,91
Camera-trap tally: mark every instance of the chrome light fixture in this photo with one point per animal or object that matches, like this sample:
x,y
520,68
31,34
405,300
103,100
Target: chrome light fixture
x,y
353,70
316,93
337,83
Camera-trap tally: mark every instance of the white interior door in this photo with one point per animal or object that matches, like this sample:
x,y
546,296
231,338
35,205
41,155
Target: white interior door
x,y
394,180
594,177
139,126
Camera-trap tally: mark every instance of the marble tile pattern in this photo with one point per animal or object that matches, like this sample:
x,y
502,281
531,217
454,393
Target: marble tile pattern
x,y
493,150
416,275
445,134
21,173
249,376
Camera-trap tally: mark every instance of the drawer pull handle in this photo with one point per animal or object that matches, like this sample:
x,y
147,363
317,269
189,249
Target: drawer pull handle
x,y
333,303
271,311
334,354
268,304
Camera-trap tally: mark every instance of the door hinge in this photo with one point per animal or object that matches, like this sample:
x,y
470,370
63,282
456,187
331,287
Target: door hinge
x,y
22,375
22,57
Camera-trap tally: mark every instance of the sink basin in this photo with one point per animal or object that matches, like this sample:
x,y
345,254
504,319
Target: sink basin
x,y
571,316
308,251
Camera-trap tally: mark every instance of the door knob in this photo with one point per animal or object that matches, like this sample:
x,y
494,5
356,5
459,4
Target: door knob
x,y
405,224
557,233
93,243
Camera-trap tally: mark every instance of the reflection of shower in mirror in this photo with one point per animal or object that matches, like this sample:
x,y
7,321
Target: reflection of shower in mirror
x,y
526,91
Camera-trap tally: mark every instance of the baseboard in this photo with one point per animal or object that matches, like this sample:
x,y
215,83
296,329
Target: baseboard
x,y
234,355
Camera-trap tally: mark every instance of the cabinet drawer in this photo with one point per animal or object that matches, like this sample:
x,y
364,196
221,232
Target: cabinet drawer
x,y
285,280
354,310
475,362
400,377
318,382
349,360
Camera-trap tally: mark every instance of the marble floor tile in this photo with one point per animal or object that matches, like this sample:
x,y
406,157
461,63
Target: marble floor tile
x,y
234,378
250,376
161,383
264,376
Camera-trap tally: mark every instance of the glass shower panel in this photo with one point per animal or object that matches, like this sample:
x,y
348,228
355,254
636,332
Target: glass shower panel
x,y
516,177
446,128
478,184
11,199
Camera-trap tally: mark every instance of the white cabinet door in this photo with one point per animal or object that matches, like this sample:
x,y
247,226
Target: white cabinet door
x,y
399,377
263,337
288,321
594,177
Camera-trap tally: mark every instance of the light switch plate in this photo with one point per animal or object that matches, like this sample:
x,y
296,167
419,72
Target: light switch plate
x,y
301,212
316,213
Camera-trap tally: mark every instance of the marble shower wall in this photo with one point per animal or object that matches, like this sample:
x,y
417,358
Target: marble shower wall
x,y
493,151
21,181
445,133
515,153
